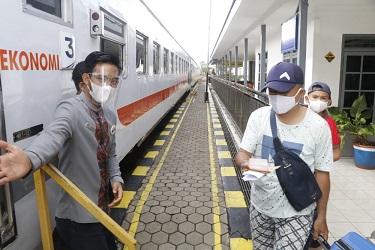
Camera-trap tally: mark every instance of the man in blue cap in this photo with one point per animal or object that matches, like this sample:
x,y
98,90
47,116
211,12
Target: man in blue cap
x,y
275,224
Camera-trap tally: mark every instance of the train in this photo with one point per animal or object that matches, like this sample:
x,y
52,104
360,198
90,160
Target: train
x,y
41,42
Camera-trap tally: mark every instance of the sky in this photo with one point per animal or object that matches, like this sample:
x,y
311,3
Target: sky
x,y
188,22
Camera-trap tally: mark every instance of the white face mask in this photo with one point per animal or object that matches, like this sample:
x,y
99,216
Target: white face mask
x,y
101,94
317,106
282,104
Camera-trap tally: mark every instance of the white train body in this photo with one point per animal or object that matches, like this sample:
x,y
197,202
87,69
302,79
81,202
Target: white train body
x,y
41,41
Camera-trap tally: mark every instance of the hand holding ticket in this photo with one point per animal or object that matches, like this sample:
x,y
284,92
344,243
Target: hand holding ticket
x,y
258,168
261,165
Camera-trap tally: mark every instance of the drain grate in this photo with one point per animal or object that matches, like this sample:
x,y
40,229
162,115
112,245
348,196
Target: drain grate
x,y
245,185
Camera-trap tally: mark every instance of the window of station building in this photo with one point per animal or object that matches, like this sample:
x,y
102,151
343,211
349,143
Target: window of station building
x,y
141,54
156,57
172,63
290,56
358,71
166,61
59,11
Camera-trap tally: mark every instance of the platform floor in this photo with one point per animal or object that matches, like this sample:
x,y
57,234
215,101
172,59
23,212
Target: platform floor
x,y
185,193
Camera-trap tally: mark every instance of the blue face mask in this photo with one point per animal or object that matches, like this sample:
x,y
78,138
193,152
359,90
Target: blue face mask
x,y
282,104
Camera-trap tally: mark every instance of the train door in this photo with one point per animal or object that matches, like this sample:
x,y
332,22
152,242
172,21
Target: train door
x,y
7,223
357,74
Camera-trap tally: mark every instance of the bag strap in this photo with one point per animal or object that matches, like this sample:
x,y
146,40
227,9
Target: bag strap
x,y
276,140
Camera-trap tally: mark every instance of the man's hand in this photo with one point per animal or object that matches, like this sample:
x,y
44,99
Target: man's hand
x,y
320,227
117,193
14,164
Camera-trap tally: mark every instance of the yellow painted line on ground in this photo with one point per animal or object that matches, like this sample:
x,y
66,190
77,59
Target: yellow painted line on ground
x,y
176,116
224,154
165,133
235,199
221,142
173,120
127,196
169,126
228,171
240,244
141,170
146,192
218,133
215,120
178,112
151,154
217,125
214,189
159,142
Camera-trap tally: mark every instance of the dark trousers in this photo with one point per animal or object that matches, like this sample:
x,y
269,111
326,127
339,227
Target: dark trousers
x,y
82,236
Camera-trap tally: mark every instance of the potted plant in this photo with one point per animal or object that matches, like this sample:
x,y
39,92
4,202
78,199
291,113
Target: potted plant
x,y
356,125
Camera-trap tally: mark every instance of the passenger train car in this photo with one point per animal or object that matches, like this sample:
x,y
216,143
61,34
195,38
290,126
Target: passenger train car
x,y
41,41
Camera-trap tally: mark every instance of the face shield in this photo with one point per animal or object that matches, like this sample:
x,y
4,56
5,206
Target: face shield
x,y
105,80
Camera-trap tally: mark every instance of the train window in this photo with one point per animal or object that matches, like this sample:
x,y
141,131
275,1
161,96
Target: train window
x,y
141,52
172,63
116,50
59,11
177,68
156,57
166,61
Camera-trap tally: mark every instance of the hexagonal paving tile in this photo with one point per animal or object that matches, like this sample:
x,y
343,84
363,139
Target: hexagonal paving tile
x,y
178,218
159,238
204,210
195,218
157,209
143,237
203,227
186,227
170,227
173,210
177,238
194,238
163,218
147,217
153,227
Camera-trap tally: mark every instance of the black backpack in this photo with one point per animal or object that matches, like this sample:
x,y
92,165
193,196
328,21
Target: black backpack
x,y
295,176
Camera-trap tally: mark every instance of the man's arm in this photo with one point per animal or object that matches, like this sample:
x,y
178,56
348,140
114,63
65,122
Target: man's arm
x,y
336,154
320,225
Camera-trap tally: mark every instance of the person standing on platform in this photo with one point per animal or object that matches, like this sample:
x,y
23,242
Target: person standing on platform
x,y
319,98
83,133
275,224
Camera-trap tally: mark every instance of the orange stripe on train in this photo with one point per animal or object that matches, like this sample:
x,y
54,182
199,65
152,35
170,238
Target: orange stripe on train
x,y
133,111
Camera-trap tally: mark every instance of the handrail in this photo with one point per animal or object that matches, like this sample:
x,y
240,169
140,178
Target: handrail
x,y
44,217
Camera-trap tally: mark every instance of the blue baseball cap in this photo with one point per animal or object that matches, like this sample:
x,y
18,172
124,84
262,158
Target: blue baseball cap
x,y
284,76
319,86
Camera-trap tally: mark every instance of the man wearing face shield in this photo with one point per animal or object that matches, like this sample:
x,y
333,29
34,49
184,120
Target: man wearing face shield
x,y
275,224
83,133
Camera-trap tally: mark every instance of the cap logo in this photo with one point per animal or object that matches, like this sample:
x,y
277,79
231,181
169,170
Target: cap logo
x,y
285,74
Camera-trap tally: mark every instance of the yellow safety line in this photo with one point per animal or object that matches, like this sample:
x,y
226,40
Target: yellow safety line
x,y
146,192
215,198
